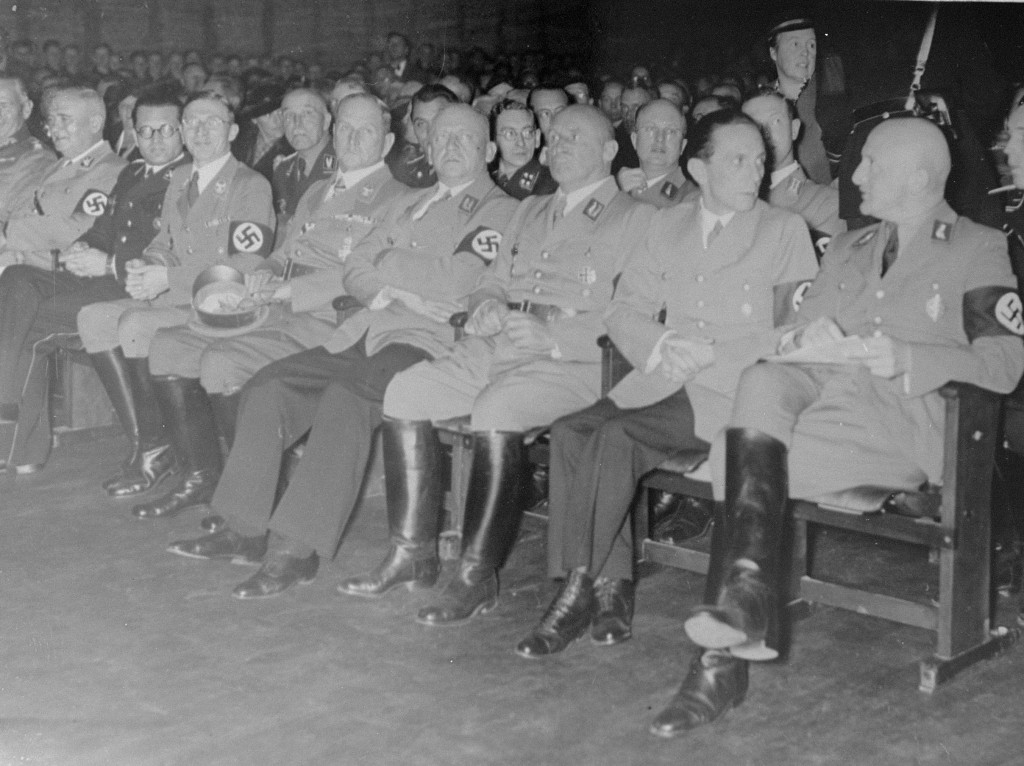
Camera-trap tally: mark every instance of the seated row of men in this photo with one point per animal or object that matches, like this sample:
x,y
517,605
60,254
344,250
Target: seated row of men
x,y
693,295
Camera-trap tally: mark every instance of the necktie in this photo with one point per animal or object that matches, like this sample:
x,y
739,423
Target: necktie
x,y
192,193
558,209
439,197
892,248
300,169
713,234
336,188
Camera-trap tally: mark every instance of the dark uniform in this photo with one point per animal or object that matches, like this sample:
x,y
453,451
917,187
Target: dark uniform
x,y
736,292
336,389
292,179
38,306
532,179
410,165
23,161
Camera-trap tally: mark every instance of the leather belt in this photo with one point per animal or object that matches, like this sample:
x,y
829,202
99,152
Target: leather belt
x,y
546,311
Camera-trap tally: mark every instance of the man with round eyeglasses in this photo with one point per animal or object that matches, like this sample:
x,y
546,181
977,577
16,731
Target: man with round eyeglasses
x,y
518,172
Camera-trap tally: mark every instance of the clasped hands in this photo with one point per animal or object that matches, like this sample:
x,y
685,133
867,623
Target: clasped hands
x,y
525,331
882,355
682,358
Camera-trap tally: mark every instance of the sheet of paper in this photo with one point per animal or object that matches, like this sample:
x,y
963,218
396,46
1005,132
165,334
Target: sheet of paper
x,y
836,352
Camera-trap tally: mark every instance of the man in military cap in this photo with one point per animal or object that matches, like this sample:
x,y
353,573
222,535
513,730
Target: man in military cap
x,y
410,164
307,129
659,137
518,172
531,357
38,306
790,188
921,298
410,272
742,265
215,211
23,159
302,275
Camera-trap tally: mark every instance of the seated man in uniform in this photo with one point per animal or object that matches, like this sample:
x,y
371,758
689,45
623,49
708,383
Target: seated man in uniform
x,y
633,98
411,273
39,305
727,268
53,211
790,187
659,136
546,103
919,299
519,172
409,162
23,159
307,126
301,277
215,211
531,357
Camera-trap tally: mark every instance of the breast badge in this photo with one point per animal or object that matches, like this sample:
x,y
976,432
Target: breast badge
x,y
933,307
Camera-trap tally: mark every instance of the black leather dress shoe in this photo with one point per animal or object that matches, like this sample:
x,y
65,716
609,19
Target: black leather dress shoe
x,y
196,488
716,682
688,518
614,621
566,619
226,544
468,594
741,619
155,465
400,567
279,572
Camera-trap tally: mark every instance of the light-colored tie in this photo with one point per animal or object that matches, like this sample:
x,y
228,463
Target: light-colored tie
x,y
439,197
336,188
713,234
558,208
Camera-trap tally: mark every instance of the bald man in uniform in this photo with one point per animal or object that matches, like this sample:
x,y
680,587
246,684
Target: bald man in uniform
x,y
659,137
790,187
23,159
919,299
411,273
727,269
531,357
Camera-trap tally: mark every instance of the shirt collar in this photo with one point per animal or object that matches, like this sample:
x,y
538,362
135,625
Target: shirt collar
x,y
210,170
709,219
780,175
352,177
454,191
652,182
153,169
80,157
575,198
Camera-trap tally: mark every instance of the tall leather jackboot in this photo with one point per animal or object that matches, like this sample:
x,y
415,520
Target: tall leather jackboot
x,y
493,510
130,390
187,410
412,483
743,615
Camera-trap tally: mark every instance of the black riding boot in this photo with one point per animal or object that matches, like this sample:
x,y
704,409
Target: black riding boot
x,y
130,390
412,479
493,510
187,410
742,617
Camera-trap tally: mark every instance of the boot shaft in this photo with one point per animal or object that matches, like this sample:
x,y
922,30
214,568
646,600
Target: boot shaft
x,y
186,409
412,481
756,493
494,500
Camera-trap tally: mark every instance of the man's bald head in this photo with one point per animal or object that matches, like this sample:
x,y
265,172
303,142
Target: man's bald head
x,y
459,144
903,170
659,137
581,146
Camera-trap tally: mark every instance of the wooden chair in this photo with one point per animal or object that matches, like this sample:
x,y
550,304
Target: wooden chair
x,y
957,532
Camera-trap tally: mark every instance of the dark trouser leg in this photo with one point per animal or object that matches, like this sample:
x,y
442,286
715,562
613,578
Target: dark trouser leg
x,y
225,414
187,411
324,490
493,510
414,503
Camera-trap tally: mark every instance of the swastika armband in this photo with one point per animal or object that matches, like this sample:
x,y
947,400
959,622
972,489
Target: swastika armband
x,y
250,238
481,242
990,311
93,203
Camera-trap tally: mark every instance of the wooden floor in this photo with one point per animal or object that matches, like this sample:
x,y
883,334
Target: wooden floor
x,y
116,652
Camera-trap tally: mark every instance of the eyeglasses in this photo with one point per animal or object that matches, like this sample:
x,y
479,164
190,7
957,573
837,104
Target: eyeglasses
x,y
148,131
511,134
192,124
652,132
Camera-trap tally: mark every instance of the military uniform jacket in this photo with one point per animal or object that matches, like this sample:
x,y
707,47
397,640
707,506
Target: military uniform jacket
x,y
410,166
818,205
735,293
64,206
323,232
288,185
23,161
572,263
533,178
232,222
439,257
132,217
950,295
669,191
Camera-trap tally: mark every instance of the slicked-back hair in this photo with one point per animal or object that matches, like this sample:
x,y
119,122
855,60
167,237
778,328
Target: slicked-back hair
x,y
701,142
210,95
155,97
508,105
429,93
769,91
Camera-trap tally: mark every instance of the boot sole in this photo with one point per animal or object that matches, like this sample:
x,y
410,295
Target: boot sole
x,y
480,609
410,585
